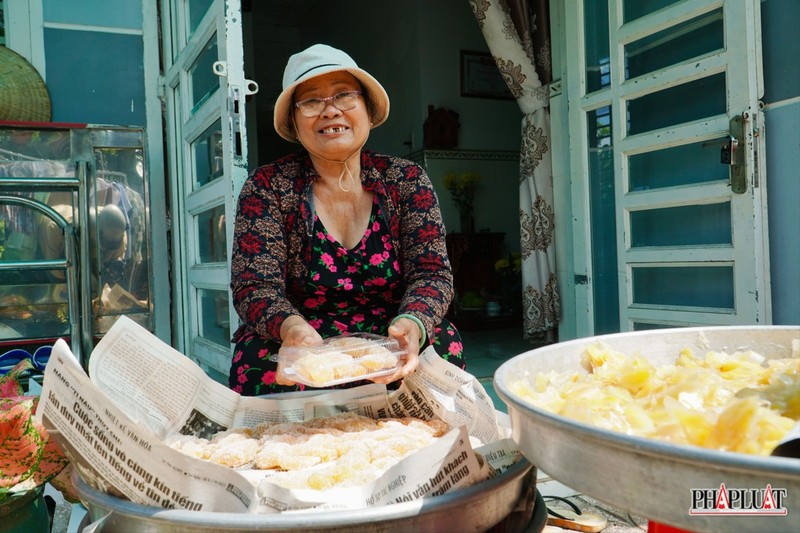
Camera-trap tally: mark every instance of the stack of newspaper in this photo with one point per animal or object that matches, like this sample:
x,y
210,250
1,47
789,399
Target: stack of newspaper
x,y
141,391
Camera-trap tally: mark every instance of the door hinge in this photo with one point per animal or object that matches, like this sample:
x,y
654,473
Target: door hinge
x,y
758,143
161,88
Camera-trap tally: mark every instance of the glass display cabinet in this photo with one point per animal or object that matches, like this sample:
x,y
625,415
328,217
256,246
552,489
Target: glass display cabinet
x,y
74,234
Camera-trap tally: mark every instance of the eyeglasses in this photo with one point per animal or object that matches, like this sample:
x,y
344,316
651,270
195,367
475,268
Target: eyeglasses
x,y
312,107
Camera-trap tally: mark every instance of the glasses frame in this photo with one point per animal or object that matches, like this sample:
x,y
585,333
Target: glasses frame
x,y
330,100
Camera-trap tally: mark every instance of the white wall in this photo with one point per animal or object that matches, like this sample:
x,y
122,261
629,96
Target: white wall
x,y
446,28
496,202
780,48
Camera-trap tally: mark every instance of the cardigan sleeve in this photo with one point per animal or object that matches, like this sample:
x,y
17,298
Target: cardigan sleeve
x,y
259,257
426,266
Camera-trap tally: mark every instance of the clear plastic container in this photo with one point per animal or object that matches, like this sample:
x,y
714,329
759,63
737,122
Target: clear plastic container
x,y
341,359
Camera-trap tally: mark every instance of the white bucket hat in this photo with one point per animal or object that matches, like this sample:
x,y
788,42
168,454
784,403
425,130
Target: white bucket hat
x,y
318,60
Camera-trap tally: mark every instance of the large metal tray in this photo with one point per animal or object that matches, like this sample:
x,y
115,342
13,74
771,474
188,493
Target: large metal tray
x,y
474,508
649,478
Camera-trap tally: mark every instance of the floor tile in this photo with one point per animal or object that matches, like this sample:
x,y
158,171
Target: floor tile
x,y
499,405
486,350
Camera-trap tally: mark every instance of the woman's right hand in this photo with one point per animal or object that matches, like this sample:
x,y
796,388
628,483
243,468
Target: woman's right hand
x,y
295,331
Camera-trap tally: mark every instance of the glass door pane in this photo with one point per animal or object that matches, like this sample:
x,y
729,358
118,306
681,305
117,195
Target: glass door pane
x,y
208,160
653,170
212,243
634,9
684,286
197,10
687,102
686,225
598,70
204,81
694,38
605,285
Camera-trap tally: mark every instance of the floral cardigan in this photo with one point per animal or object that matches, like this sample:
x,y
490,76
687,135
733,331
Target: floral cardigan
x,y
272,240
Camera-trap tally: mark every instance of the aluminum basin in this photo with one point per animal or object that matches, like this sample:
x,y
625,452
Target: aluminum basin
x,y
649,478
474,508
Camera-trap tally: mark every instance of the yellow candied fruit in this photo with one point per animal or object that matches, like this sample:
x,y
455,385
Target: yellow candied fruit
x,y
348,370
738,402
636,378
378,361
747,426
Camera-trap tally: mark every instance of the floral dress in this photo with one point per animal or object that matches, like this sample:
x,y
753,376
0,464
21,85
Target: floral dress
x,y
348,290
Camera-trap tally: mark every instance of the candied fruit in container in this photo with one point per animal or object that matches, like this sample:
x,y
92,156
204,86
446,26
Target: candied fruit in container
x,y
341,359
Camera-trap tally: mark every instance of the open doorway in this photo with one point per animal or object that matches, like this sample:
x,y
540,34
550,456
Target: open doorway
x,y
417,57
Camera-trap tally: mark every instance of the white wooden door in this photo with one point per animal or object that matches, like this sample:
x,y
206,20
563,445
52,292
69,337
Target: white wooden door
x,y
205,91
665,235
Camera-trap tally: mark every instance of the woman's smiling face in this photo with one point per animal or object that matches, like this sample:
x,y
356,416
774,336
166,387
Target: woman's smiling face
x,y
333,134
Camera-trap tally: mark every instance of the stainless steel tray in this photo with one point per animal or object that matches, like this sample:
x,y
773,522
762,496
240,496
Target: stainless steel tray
x,y
649,478
475,508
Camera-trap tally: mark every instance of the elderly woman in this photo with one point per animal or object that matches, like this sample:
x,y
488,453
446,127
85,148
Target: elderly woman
x,y
335,238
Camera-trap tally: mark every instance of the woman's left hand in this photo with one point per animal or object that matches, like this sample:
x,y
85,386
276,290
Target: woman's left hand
x,y
407,334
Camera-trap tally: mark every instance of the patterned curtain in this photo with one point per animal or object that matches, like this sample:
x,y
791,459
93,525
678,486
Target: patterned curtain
x,y
518,35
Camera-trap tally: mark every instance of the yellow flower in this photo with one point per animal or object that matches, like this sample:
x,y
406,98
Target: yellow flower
x,y
501,264
516,258
462,188
470,179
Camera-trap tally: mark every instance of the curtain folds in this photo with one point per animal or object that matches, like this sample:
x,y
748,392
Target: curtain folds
x,y
518,35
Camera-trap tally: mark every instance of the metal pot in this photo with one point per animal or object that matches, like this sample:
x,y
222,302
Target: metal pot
x,y
475,508
650,478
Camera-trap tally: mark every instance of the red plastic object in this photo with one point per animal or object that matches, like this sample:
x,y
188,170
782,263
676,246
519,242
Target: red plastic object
x,y
655,527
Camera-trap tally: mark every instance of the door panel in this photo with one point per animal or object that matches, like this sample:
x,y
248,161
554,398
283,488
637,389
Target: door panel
x,y
205,90
654,89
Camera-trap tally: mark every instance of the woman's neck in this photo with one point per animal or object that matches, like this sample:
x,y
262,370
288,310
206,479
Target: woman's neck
x,y
340,176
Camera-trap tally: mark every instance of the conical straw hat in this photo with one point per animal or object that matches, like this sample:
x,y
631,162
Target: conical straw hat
x,y
23,94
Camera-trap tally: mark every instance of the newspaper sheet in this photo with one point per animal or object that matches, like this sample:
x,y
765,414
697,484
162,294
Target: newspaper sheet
x,y
142,391
438,389
116,455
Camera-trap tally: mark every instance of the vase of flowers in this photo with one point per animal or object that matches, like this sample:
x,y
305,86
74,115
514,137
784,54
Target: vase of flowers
x,y
462,188
467,219
28,457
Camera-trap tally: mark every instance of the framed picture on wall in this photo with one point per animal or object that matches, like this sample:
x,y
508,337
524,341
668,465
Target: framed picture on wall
x,y
480,77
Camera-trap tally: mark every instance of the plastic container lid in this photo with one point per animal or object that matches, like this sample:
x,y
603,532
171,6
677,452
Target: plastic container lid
x,y
341,359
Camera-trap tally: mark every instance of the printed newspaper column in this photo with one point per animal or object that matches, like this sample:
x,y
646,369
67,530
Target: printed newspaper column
x,y
439,389
114,455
